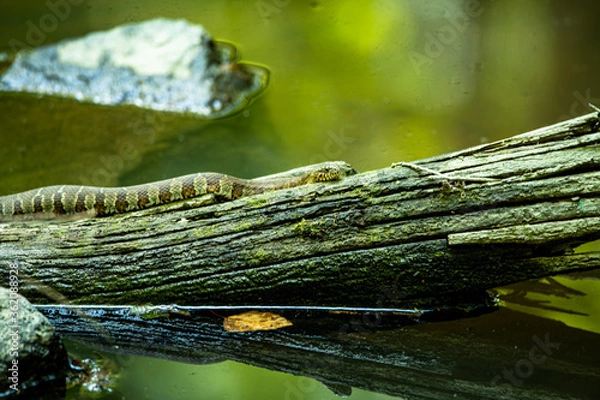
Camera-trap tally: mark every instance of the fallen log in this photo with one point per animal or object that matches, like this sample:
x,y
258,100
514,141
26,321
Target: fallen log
x,y
500,355
499,213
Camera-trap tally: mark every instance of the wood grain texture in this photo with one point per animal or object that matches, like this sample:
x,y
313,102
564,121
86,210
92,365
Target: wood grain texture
x,y
389,237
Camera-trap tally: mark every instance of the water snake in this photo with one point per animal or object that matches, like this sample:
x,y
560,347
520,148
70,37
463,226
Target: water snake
x,y
104,201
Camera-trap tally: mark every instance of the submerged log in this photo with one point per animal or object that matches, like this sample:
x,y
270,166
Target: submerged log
x,y
500,355
502,212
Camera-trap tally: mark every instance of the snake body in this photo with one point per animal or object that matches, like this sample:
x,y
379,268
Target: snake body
x,y
105,201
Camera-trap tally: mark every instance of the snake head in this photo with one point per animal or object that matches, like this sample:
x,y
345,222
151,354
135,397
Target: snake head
x,y
329,171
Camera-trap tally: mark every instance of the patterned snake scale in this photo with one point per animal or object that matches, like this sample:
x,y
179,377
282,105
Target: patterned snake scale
x,y
99,201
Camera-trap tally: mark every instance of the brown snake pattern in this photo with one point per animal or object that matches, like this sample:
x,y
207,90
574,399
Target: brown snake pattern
x,y
99,201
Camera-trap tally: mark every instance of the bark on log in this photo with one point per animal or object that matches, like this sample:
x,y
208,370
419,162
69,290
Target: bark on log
x,y
346,243
501,355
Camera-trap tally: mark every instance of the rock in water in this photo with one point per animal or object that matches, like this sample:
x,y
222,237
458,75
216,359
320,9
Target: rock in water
x,y
161,64
33,360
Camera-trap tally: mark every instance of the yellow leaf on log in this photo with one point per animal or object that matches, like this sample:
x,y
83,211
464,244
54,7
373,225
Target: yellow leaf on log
x,y
254,321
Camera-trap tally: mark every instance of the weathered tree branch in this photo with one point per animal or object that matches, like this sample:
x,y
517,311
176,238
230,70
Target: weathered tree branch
x,y
342,243
475,358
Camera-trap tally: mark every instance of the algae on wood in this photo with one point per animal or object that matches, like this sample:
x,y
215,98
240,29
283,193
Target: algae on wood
x,y
345,243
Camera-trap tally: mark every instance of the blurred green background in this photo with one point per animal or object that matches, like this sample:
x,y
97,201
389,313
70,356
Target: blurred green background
x,y
368,82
